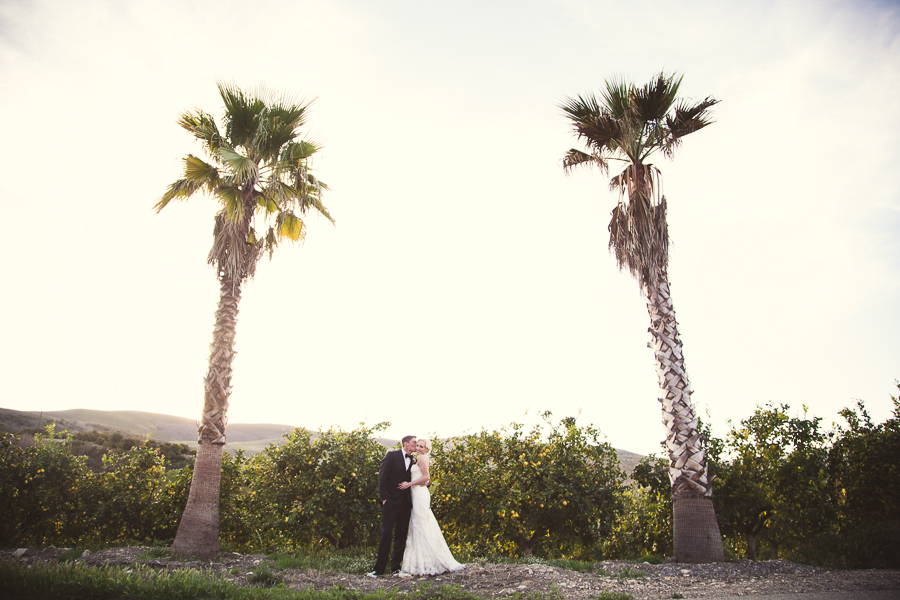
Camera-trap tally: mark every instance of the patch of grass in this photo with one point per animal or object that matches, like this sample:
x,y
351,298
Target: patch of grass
x,y
629,573
45,581
72,553
155,554
614,596
50,581
571,564
264,576
676,596
626,573
351,560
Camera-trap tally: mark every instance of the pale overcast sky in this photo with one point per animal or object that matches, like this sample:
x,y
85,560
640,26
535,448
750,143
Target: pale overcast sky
x,y
467,283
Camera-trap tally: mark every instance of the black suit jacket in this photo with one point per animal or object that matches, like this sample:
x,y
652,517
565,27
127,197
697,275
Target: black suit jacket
x,y
392,472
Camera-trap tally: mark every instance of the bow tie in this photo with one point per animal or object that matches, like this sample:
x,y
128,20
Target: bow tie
x,y
411,458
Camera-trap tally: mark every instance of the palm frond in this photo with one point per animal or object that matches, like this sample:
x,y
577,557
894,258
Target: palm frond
x,y
581,108
244,168
196,169
635,177
267,204
639,237
181,189
280,192
242,113
653,101
233,254
271,242
317,204
602,132
204,128
575,158
290,226
686,120
294,152
616,97
231,201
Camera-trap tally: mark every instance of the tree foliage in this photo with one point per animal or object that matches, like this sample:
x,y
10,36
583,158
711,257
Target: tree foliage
x,y
864,467
318,489
644,527
50,496
772,480
512,491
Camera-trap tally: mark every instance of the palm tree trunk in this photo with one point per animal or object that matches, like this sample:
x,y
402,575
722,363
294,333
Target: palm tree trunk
x,y
696,532
198,531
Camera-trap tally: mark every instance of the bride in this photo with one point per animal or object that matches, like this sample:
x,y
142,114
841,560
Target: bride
x,y
426,551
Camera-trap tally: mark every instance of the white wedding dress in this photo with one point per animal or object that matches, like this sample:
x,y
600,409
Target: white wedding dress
x,y
426,551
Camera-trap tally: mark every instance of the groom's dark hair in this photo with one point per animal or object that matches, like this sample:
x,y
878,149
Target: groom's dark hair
x,y
407,438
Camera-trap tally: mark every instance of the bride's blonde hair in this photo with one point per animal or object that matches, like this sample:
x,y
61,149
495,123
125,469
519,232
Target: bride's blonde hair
x,y
427,443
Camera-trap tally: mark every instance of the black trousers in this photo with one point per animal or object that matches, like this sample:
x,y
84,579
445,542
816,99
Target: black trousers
x,y
394,520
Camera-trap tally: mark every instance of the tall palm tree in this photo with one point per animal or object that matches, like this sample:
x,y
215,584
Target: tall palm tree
x,y
628,124
257,169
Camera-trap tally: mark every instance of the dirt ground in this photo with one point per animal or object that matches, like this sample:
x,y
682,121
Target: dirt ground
x,y
641,580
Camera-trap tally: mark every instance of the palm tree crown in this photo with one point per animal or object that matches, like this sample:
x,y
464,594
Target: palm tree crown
x,y
258,167
629,123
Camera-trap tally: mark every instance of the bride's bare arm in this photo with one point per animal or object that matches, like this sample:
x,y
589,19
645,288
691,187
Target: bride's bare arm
x,y
424,479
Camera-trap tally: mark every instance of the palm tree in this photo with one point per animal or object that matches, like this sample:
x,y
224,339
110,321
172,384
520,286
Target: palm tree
x,y
257,169
628,124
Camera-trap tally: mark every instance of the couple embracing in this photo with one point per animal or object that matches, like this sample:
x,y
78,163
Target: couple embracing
x,y
419,546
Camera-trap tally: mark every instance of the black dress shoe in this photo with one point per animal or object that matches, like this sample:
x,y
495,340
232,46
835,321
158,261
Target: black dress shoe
x,y
394,573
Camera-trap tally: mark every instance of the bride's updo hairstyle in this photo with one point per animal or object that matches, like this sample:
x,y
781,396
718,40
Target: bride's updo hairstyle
x,y
427,443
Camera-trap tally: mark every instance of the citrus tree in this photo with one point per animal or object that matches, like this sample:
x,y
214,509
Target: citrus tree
x,y
520,492
39,487
318,488
864,477
645,525
864,467
128,500
772,477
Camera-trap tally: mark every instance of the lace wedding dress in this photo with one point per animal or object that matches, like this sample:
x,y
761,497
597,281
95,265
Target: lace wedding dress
x,y
426,551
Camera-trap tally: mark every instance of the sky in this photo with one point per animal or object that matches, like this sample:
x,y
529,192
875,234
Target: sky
x,y
466,283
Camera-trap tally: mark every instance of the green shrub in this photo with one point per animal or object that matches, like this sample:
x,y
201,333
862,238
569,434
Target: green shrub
x,y
129,501
40,482
864,546
311,490
553,494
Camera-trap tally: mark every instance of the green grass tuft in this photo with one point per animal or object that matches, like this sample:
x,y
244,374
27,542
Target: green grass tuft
x,y
264,576
614,596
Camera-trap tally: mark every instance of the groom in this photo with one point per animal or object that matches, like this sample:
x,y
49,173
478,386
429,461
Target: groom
x,y
396,505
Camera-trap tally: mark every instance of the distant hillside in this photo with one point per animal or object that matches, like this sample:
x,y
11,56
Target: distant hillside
x,y
162,428
250,437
